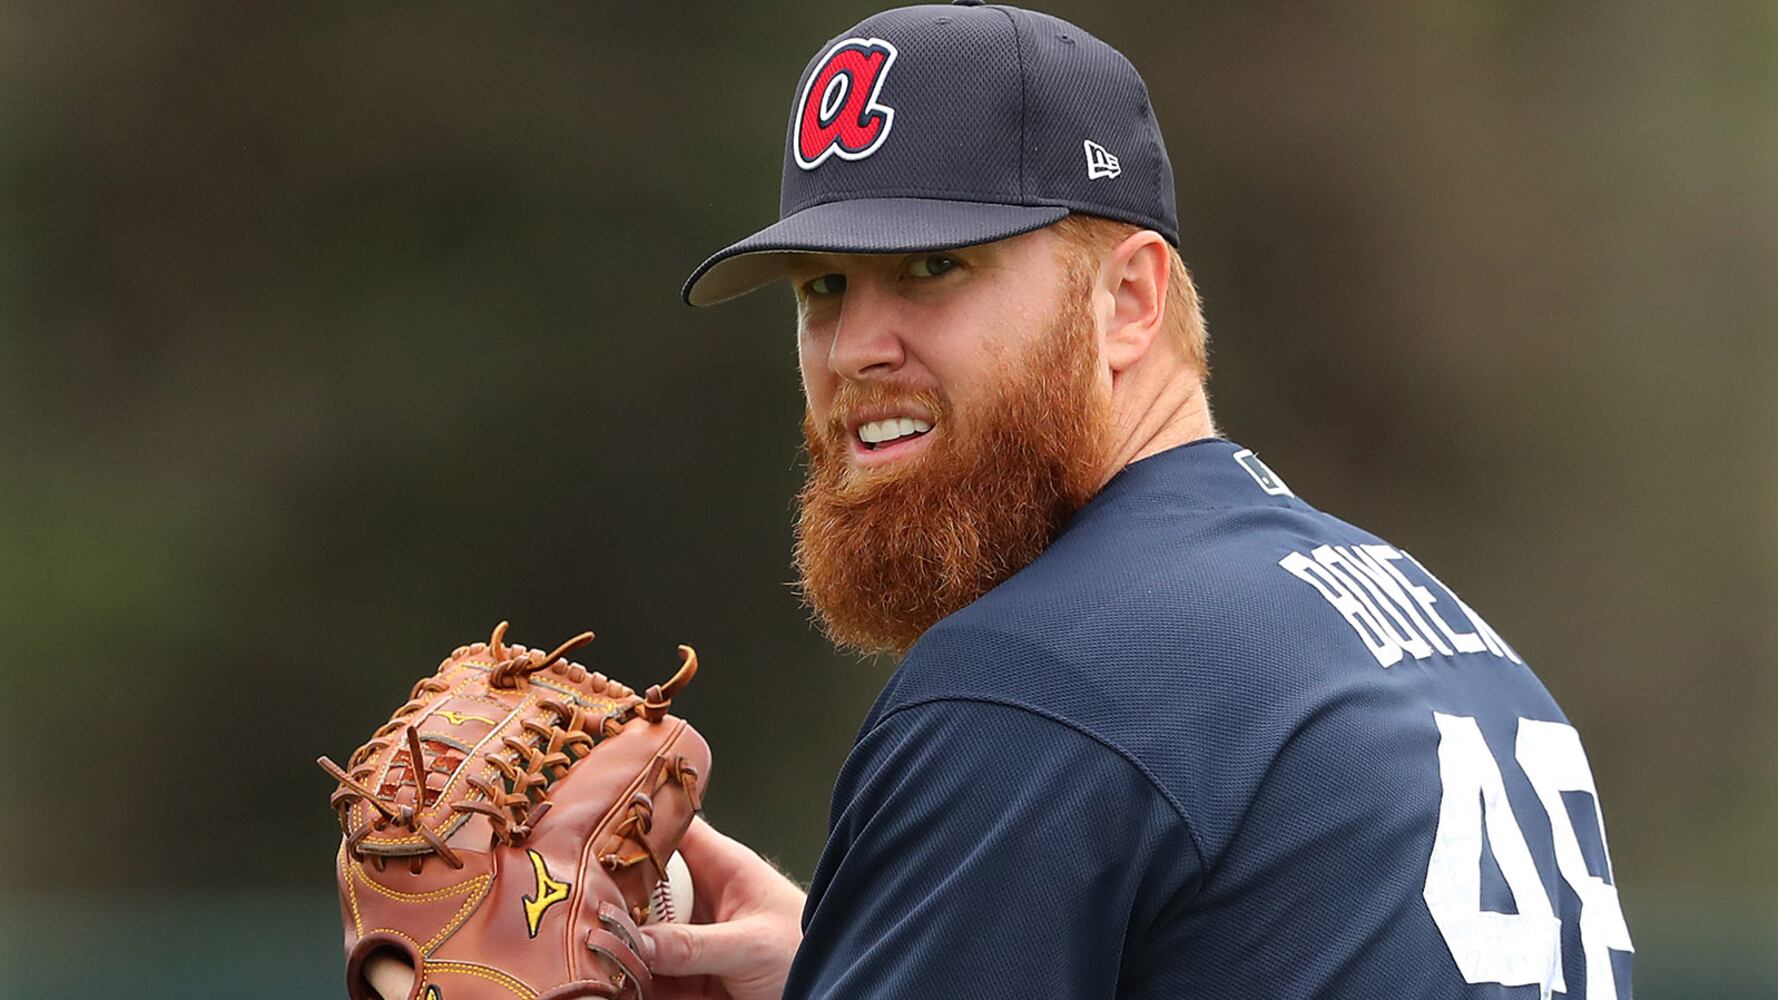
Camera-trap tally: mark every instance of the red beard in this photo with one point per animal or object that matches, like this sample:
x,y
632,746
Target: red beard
x,y
885,553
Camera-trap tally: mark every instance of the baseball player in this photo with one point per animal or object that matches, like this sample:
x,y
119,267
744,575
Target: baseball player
x,y
1161,728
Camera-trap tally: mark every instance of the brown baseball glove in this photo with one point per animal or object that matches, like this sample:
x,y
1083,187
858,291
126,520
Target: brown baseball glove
x,y
510,826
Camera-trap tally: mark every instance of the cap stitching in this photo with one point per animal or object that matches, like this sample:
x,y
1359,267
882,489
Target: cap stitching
x,y
1156,155
1018,51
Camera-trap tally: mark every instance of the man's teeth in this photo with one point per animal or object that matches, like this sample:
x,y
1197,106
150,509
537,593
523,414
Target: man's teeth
x,y
879,431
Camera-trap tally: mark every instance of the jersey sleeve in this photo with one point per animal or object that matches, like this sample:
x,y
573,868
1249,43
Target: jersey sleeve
x,y
983,849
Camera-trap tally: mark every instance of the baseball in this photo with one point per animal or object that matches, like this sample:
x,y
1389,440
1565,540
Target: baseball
x,y
671,900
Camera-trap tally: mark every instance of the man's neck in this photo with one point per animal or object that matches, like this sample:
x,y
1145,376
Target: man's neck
x,y
1178,414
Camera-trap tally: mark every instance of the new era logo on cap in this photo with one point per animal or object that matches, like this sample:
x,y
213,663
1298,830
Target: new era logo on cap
x,y
1100,162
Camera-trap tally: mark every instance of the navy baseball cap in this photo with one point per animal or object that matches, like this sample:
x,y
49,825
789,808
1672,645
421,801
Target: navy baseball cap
x,y
943,126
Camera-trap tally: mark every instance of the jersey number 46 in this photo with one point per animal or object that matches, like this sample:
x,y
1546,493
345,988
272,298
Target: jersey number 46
x,y
1523,948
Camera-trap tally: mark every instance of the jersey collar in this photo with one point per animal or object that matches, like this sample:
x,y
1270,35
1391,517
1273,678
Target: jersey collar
x,y
1209,472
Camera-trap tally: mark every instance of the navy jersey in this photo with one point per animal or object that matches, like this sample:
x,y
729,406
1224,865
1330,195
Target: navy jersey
x,y
1214,743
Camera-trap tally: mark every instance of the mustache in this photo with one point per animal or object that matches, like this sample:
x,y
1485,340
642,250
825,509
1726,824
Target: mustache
x,y
852,397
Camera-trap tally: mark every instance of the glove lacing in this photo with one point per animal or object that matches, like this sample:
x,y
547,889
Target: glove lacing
x,y
527,763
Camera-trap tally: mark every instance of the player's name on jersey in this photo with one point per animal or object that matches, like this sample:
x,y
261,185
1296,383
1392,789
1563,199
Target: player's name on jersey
x,y
1388,598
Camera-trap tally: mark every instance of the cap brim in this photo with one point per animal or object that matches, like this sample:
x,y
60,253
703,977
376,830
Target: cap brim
x,y
862,225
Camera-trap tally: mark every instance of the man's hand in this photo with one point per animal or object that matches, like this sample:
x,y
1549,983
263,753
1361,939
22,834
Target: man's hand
x,y
747,924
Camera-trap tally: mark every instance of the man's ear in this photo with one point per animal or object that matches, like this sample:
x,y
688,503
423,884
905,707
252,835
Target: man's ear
x,y
1134,275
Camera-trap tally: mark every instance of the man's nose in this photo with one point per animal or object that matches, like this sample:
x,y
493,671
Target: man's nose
x,y
866,342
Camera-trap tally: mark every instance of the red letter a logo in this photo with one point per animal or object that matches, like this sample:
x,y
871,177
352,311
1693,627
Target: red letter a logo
x,y
838,114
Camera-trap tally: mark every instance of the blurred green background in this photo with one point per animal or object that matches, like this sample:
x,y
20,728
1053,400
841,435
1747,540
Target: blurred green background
x,y
331,334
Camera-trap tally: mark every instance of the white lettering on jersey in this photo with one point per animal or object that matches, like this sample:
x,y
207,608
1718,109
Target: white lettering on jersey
x,y
1383,558
1491,638
1356,613
1550,754
1392,615
1514,949
1339,561
1523,948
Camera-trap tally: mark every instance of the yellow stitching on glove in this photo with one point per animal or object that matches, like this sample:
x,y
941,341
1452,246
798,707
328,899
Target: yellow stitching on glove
x,y
483,972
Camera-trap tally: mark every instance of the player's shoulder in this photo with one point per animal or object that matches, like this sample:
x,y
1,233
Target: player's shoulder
x,y
1174,568
1201,559
1198,609
1152,581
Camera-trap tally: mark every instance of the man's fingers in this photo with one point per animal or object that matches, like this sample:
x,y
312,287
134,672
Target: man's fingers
x,y
716,859
704,843
736,948
756,909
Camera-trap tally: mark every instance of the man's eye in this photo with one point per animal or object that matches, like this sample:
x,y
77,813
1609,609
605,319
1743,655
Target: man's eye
x,y
931,265
828,284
